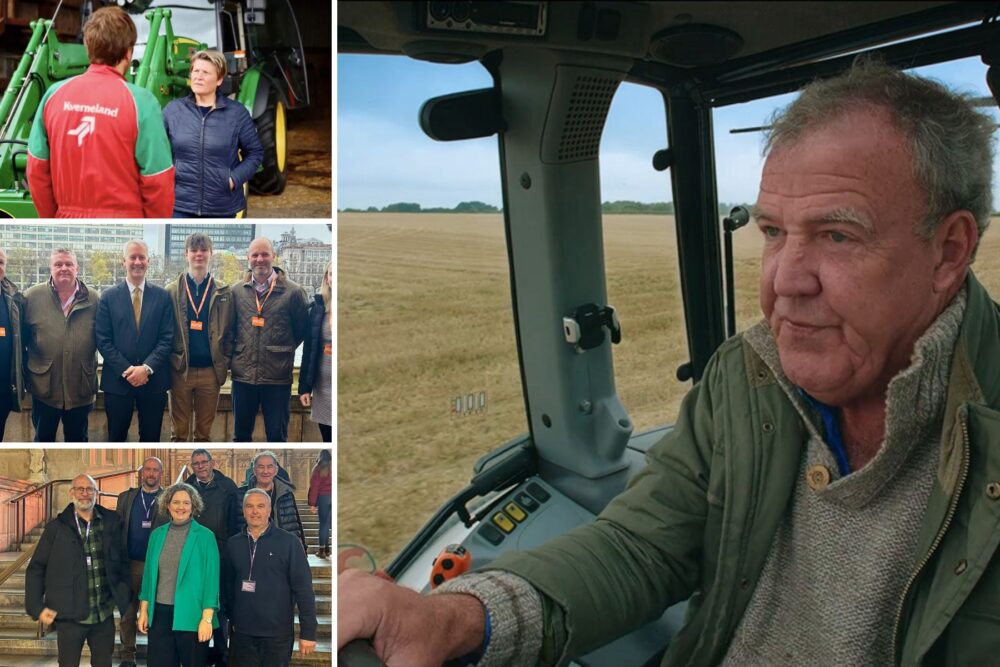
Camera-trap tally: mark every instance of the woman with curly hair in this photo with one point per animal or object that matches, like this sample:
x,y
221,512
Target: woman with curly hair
x,y
180,584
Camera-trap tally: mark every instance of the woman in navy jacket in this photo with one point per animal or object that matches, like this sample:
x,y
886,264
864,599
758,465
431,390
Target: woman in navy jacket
x,y
206,129
316,375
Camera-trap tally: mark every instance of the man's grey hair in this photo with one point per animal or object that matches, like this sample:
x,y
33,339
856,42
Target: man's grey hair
x,y
63,251
197,504
145,247
256,491
951,143
201,451
266,452
93,483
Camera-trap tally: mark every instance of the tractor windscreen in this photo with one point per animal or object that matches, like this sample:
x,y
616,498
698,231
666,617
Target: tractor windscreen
x,y
191,19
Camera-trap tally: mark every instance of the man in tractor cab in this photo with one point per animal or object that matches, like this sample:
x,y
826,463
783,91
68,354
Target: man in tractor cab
x,y
98,147
831,490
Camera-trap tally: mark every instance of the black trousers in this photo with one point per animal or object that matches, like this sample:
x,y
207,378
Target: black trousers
x,y
326,431
99,636
271,399
119,409
247,651
219,653
46,418
170,648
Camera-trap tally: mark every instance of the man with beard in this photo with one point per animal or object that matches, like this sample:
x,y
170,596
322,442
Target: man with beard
x,y
11,371
272,319
284,511
137,510
76,577
62,356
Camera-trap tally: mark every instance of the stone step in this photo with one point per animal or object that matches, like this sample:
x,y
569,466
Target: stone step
x,y
11,619
15,600
14,643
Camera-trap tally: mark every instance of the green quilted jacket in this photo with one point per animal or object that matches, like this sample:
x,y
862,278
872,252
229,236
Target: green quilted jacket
x,y
699,521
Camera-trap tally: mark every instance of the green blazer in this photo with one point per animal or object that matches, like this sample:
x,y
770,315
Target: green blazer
x,y
197,577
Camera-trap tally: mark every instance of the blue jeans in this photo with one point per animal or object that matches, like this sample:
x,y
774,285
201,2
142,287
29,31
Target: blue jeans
x,y
271,399
325,520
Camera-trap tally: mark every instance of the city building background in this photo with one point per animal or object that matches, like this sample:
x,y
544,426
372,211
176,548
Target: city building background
x,y
99,248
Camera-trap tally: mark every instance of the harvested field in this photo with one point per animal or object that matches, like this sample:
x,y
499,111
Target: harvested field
x,y
424,317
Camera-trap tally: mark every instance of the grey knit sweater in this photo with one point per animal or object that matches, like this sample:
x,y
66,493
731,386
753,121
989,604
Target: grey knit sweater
x,y
837,567
170,560
832,581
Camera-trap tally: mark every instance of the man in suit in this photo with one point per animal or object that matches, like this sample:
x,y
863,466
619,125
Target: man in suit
x,y
135,334
11,372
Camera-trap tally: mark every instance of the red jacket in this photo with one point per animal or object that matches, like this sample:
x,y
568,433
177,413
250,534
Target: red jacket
x,y
319,485
98,149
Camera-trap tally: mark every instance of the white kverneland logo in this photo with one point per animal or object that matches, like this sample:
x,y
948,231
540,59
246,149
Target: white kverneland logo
x,y
83,129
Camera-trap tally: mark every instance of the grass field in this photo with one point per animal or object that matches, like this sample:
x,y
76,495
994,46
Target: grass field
x,y
424,316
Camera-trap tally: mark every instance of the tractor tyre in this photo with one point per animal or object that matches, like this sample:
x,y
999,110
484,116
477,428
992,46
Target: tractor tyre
x,y
271,132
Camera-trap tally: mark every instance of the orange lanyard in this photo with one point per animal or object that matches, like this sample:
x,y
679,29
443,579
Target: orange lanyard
x,y
260,306
197,310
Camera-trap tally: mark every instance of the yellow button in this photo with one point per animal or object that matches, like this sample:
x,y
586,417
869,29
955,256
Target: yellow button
x,y
515,512
818,477
503,522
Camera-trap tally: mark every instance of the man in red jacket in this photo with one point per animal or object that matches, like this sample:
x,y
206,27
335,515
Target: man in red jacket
x,y
98,148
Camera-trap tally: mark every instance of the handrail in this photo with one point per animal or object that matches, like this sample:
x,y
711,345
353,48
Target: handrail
x,y
17,509
16,565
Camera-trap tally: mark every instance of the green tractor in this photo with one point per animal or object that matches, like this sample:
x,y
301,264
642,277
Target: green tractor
x,y
266,73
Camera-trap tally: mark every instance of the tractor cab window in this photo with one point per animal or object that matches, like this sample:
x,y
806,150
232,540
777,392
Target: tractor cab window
x,y
640,244
194,21
428,377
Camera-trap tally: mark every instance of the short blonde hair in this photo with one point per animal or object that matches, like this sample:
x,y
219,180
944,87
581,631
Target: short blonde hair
x,y
214,57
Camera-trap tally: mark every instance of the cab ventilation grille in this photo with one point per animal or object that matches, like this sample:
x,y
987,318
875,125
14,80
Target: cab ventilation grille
x,y
582,108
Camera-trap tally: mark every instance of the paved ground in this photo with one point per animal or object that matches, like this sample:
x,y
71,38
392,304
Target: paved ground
x,y
309,190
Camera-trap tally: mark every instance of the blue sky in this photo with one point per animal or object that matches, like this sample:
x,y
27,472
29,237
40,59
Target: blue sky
x,y
384,157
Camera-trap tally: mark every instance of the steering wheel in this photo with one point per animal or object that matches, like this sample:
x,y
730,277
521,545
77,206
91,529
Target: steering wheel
x,y
358,653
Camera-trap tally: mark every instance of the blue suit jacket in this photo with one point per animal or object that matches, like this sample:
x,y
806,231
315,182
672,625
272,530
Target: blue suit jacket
x,y
122,345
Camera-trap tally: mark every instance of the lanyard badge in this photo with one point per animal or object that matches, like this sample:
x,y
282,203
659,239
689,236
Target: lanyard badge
x,y
196,323
259,320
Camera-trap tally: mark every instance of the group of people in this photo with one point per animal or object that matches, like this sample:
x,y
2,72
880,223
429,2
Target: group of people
x,y
100,147
183,340
200,560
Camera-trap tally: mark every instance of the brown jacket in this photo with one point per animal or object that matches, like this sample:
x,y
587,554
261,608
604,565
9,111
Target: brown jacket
x,y
220,327
62,352
11,298
265,355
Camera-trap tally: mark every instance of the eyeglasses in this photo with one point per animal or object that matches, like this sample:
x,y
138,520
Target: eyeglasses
x,y
199,463
88,490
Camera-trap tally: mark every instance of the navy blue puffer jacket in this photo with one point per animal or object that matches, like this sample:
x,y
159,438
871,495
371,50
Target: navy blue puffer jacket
x,y
205,155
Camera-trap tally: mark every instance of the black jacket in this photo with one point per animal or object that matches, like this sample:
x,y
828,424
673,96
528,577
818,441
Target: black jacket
x,y
218,513
285,511
11,299
57,574
283,577
124,511
312,352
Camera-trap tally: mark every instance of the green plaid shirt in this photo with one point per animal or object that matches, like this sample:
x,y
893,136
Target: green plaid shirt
x,y
101,605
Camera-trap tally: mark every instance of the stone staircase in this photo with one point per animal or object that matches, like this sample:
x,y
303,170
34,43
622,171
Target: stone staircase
x,y
20,647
